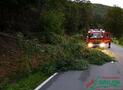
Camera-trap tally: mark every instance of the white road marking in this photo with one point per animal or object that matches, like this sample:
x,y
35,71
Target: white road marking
x,y
46,81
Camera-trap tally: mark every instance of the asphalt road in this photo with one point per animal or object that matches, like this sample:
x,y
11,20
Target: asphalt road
x,y
106,77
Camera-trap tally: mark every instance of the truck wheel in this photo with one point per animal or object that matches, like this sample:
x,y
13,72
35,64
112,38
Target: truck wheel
x,y
109,45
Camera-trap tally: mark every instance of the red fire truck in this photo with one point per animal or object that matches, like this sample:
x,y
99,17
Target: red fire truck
x,y
98,38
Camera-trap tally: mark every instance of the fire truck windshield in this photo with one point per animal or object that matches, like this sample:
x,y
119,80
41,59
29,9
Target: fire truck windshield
x,y
95,35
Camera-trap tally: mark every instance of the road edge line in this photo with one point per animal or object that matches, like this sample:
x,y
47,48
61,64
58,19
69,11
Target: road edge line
x,y
46,81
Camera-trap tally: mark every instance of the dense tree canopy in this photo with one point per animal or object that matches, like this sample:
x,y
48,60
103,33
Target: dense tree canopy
x,y
56,16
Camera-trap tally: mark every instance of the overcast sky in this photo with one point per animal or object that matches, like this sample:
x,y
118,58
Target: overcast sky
x,y
109,2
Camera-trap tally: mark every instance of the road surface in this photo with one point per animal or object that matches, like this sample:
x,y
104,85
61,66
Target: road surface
x,y
106,77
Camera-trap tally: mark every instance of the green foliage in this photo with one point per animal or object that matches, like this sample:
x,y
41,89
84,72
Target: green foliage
x,y
98,58
121,41
52,21
28,83
50,38
78,16
64,57
115,40
17,3
114,21
51,25
55,4
29,49
99,11
72,54
118,41
45,16
72,18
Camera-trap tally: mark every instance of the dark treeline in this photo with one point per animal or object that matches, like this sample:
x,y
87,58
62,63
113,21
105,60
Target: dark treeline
x,y
44,16
114,21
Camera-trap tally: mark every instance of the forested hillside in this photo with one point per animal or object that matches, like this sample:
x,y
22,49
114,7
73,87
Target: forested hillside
x,y
99,13
29,16
100,9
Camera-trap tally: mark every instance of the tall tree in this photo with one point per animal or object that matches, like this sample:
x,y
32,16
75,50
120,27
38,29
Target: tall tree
x,y
114,21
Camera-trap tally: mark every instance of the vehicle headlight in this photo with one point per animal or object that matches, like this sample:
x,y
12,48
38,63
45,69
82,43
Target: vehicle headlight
x,y
90,45
102,45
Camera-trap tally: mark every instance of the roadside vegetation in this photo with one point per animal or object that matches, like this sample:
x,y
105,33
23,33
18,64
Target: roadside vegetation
x,y
28,83
118,41
70,54
41,37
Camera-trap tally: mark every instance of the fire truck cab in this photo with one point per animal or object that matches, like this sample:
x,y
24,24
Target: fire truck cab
x,y
98,38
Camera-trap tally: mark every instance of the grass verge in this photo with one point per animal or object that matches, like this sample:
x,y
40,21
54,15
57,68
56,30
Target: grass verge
x,y
28,83
118,41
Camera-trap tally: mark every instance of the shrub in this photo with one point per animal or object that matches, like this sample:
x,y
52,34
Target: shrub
x,y
121,41
118,40
50,38
66,56
98,57
115,40
29,49
52,21
28,83
80,64
48,67
51,24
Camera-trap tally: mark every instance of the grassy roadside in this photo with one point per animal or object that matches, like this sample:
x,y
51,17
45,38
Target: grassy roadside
x,y
70,54
118,41
28,83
